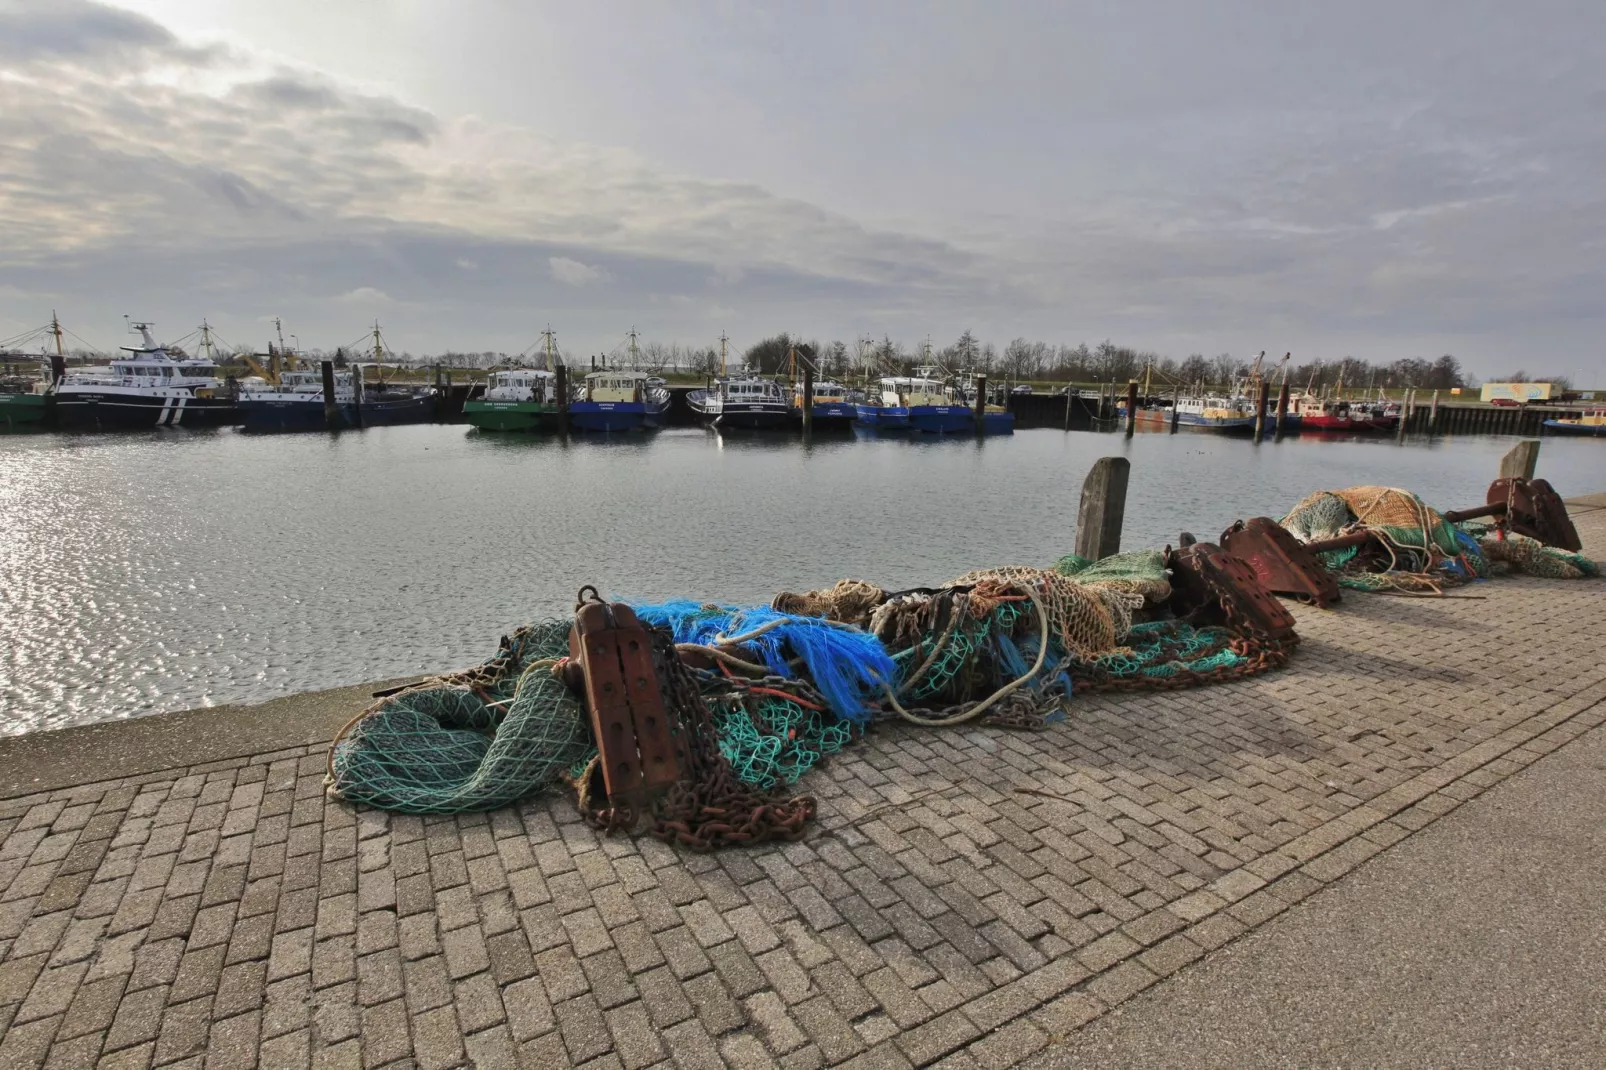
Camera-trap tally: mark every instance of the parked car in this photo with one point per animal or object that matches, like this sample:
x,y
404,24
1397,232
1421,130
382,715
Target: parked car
x,y
1023,388
1506,403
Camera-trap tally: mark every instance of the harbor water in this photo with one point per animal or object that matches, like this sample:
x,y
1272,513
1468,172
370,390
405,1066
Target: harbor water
x,y
166,570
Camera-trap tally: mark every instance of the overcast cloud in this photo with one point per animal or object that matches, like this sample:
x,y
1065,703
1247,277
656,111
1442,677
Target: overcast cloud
x,y
1385,180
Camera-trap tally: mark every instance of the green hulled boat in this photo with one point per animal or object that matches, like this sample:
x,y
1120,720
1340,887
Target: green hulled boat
x,y
26,411
519,399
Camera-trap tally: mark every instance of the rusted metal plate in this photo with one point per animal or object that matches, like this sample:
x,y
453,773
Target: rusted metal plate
x,y
635,738
1533,508
1205,578
1281,562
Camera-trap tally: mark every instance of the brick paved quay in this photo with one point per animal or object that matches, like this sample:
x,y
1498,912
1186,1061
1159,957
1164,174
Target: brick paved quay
x,y
966,897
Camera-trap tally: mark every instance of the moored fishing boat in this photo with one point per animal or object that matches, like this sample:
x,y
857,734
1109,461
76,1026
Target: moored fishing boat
x,y
747,402
26,403
295,402
883,407
516,399
1590,422
151,387
831,405
1215,413
1327,414
933,408
613,400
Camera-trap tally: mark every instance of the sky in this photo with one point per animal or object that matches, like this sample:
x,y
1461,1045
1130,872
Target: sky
x,y
1381,180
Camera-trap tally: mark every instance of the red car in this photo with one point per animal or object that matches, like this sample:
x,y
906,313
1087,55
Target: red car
x,y
1506,402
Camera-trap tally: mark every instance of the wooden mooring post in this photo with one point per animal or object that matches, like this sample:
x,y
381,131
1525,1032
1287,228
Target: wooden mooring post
x,y
1260,409
331,411
1103,506
1070,397
562,373
1433,414
1282,410
1131,408
979,409
808,398
356,394
1521,460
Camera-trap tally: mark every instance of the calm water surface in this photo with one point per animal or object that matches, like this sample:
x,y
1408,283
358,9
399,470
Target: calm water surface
x,y
162,571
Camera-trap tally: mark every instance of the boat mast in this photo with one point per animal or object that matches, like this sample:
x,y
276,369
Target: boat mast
x,y
722,343
55,329
633,365
206,340
547,334
379,354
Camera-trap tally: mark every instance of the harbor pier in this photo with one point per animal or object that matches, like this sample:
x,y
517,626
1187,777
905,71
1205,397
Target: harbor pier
x,y
180,889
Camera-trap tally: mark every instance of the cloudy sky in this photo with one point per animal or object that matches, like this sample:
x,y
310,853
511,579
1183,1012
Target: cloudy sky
x,y
1378,179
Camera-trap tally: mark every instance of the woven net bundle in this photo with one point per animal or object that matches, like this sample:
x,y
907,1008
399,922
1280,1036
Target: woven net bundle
x,y
1424,553
474,740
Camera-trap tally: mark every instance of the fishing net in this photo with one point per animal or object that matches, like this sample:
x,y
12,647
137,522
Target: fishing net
x,y
475,740
1417,550
1533,558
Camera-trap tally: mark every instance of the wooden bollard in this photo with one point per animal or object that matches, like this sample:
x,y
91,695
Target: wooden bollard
x,y
979,413
1103,506
1131,409
331,411
1521,460
562,373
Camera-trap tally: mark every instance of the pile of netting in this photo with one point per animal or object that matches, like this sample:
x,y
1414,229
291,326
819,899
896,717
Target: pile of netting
x,y
473,740
504,730
1415,549
763,694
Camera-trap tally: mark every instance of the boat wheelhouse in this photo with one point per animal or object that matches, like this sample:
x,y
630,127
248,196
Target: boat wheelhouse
x,y
613,400
516,399
151,387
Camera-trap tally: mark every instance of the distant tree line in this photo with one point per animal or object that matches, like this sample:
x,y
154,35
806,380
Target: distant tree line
x,y
1021,360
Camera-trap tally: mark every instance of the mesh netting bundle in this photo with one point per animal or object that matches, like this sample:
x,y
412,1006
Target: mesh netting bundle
x,y
473,741
1423,552
844,664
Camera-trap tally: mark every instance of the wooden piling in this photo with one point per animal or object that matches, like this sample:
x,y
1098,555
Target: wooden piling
x,y
562,373
1405,416
331,411
979,407
1433,414
1521,460
1260,409
1282,411
356,395
1102,508
1131,409
808,398
1070,394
